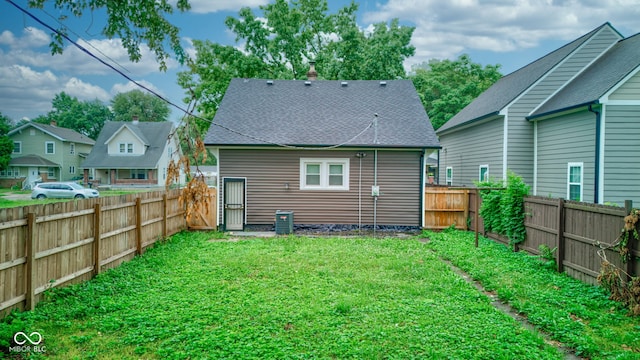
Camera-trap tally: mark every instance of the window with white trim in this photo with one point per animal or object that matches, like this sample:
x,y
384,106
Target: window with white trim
x,y
17,147
575,174
324,174
129,148
483,173
72,169
51,172
49,147
125,148
72,148
449,176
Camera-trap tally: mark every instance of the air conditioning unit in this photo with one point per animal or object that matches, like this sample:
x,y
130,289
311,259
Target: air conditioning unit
x,y
284,222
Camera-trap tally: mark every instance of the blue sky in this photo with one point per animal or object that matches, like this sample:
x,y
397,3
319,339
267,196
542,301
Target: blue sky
x,y
511,33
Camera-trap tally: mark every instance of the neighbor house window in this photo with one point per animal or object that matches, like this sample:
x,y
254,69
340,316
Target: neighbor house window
x,y
138,174
72,169
484,173
51,172
126,148
49,147
72,148
324,174
17,147
449,176
574,181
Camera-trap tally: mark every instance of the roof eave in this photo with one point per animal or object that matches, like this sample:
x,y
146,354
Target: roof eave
x,y
561,110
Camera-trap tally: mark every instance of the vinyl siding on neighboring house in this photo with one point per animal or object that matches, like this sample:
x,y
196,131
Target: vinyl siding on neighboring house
x,y
520,136
622,146
630,90
267,171
561,141
465,150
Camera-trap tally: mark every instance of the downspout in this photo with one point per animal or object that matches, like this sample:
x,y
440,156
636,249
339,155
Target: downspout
x,y
596,184
422,179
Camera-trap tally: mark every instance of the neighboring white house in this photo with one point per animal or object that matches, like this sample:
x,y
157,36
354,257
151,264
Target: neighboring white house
x,y
133,153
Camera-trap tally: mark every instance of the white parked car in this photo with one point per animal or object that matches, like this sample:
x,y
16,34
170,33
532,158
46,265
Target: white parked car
x,y
61,190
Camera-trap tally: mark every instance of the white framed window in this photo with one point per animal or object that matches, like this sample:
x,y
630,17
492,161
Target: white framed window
x,y
17,147
49,147
449,176
72,169
483,173
575,176
51,172
129,148
125,148
324,174
72,148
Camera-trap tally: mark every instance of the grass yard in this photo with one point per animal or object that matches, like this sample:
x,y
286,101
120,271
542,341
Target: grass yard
x,y
572,312
279,298
9,203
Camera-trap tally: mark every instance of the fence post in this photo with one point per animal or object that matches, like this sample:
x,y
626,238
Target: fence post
x,y
466,209
560,236
628,206
30,303
138,226
164,215
476,215
96,239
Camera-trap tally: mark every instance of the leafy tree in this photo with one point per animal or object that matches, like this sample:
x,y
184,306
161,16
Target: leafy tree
x,y
6,144
145,106
134,21
446,87
85,117
280,44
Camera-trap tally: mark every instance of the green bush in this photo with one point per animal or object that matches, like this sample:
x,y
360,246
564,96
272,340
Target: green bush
x,y
503,210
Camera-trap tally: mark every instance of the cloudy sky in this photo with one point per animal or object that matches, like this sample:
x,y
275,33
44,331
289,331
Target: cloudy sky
x,y
512,33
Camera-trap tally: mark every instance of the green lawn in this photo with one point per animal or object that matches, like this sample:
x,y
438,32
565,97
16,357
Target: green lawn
x,y
8,203
572,312
278,298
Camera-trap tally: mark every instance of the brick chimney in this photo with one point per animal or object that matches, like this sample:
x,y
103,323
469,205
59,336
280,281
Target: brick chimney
x,y
312,74
134,119
53,123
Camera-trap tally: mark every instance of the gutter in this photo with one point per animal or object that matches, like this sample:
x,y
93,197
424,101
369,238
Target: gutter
x,y
535,117
596,184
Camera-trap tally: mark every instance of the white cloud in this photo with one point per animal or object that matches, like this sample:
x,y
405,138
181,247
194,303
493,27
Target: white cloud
x,y
446,29
84,91
128,86
31,37
208,6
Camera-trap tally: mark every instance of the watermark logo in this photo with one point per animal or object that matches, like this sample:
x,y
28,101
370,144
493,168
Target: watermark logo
x,y
27,343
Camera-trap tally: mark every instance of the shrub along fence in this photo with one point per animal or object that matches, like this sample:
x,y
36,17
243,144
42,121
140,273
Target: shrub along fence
x,y
43,246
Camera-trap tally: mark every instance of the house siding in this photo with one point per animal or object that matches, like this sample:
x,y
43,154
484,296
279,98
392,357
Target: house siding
x,y
35,144
266,172
520,136
630,90
467,149
125,136
561,141
622,144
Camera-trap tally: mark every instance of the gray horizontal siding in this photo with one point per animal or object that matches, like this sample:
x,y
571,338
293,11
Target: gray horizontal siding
x,y
630,90
561,141
465,150
267,171
622,146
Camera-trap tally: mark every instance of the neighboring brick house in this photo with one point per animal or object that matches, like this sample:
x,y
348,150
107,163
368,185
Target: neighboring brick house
x,y
45,153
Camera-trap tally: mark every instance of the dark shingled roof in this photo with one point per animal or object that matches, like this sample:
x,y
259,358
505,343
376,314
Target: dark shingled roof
x,y
32,160
321,113
61,133
508,88
598,79
155,133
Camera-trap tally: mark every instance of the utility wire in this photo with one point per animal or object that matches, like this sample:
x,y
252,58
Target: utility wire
x,y
185,111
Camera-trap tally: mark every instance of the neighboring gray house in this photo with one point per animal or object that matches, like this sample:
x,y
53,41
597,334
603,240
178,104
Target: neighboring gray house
x,y
132,153
333,152
540,122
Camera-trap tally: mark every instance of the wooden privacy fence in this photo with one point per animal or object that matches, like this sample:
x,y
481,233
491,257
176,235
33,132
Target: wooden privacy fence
x,y
573,229
43,246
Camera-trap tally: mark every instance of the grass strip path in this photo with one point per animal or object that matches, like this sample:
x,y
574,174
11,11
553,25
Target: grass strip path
x,y
574,313
284,298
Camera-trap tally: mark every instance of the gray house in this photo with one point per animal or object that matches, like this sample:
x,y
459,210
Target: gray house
x,y
132,153
563,123
333,152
